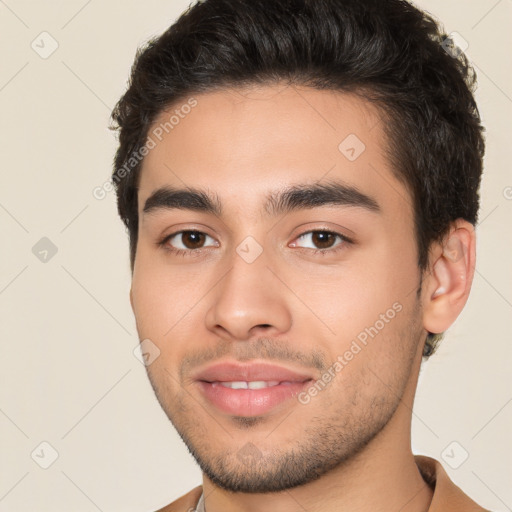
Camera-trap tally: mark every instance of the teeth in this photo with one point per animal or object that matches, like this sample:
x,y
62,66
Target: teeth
x,y
235,385
256,384
260,384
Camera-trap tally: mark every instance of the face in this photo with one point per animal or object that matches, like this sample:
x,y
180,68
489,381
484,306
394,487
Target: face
x,y
276,274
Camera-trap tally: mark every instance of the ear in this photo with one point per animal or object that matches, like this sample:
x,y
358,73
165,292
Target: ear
x,y
448,282
131,299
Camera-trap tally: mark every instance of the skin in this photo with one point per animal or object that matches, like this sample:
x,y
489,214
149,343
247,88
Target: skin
x,y
349,447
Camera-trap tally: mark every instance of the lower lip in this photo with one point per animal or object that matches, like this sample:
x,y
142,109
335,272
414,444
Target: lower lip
x,y
250,402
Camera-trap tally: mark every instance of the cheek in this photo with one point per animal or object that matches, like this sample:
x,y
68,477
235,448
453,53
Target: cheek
x,y
151,303
346,300
162,294
168,311
369,303
372,363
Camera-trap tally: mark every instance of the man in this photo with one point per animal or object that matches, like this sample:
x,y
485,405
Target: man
x,y
299,179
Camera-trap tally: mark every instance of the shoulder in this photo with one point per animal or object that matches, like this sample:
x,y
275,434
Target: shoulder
x,y
186,503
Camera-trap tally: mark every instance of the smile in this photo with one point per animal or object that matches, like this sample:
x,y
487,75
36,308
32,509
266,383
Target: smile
x,y
249,389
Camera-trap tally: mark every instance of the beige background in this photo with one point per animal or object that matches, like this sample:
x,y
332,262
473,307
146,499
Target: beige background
x,y
69,376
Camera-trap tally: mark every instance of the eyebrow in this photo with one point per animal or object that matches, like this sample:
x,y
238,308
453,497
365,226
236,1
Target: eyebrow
x,y
299,197
166,198
296,197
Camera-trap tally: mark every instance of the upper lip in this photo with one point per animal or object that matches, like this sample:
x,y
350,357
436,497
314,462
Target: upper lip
x,y
249,372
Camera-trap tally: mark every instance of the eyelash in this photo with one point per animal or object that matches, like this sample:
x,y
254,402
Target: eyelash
x,y
195,252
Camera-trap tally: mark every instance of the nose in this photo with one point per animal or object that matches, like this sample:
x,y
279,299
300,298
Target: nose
x,y
249,301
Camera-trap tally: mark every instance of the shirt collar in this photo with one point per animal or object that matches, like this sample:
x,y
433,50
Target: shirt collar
x,y
447,496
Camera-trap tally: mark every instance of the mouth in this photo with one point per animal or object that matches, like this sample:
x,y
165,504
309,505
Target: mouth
x,y
252,389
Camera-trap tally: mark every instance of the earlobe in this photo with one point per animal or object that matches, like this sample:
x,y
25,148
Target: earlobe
x,y
449,282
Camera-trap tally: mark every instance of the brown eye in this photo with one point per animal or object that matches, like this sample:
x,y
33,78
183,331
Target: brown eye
x,y
323,239
189,240
193,239
320,240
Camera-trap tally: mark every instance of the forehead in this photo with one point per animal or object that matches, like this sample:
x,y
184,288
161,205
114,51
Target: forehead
x,y
243,143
